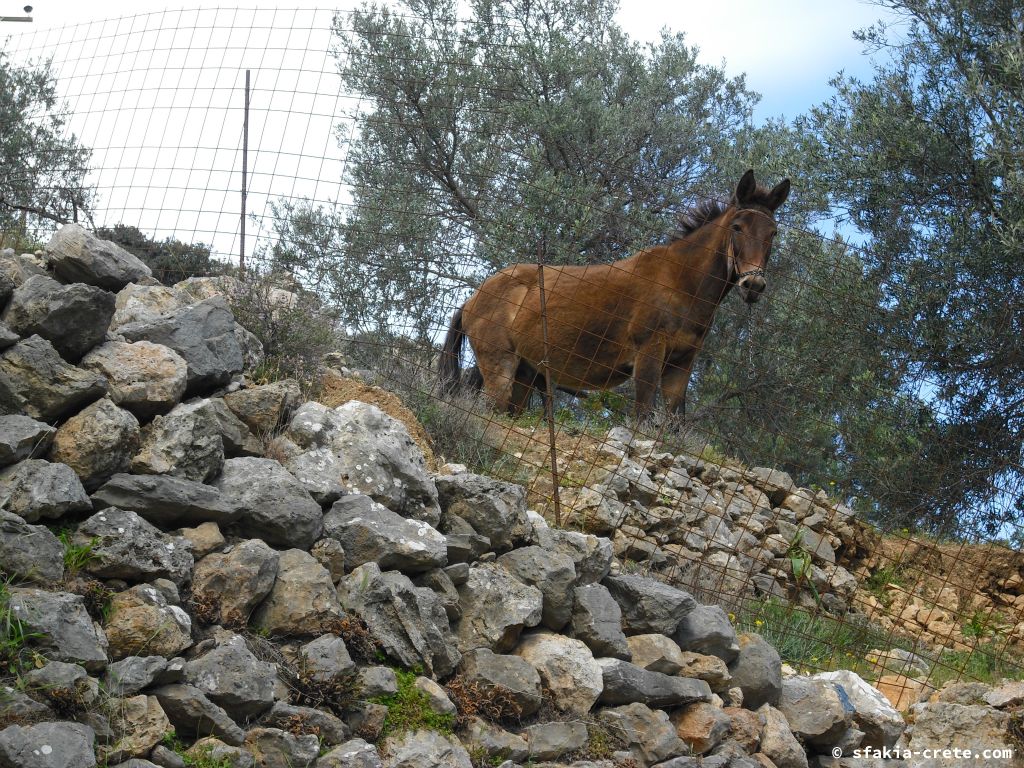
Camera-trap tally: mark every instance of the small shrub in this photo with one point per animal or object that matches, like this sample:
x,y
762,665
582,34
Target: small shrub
x,y
77,556
491,703
409,709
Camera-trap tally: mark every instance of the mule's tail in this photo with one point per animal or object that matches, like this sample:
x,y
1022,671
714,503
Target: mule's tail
x,y
449,367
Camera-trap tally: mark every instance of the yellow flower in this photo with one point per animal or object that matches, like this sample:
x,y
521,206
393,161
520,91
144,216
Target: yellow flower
x,y
758,623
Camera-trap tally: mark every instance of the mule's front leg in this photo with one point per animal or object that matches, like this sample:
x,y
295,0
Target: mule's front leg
x,y
675,378
647,376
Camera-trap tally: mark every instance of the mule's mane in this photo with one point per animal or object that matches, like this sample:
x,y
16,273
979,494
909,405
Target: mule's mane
x,y
706,211
692,219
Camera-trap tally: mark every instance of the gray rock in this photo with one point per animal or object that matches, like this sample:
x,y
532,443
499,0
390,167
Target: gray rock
x,y
567,669
648,605
97,442
229,585
193,714
626,683
597,621
212,749
303,599
330,729
203,334
60,626
365,451
496,607
466,547
125,546
549,741
74,318
757,671
185,443
144,378
130,675
591,555
648,733
141,620
49,387
233,678
945,725
29,552
277,748
656,653
22,437
425,749
352,754
707,629
818,712
506,676
327,660
35,489
493,508
551,572
8,338
78,256
17,706
47,745
69,680
264,408
237,439
495,742
376,682
881,723
370,532
441,584
778,741
167,501
274,506
409,622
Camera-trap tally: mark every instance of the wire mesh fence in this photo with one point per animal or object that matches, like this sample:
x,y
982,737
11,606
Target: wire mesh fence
x,y
786,493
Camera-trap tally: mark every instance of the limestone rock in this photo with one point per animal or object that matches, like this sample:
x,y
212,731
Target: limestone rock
x,y
496,607
97,442
233,678
626,683
47,745
167,501
22,437
193,714
274,506
61,627
648,605
757,671
29,552
144,378
649,735
203,334
49,388
303,599
408,621
229,585
370,532
141,621
553,573
184,443
597,621
265,407
34,489
74,318
509,676
78,256
493,508
567,670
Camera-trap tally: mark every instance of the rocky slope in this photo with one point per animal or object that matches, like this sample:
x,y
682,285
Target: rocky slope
x,y
340,604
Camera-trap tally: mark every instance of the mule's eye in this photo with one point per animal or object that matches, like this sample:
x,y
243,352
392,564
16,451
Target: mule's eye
x,y
736,227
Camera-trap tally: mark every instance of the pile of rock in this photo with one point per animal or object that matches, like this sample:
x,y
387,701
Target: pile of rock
x,y
726,533
264,609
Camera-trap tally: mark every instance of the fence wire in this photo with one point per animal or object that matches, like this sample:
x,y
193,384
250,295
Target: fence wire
x,y
158,100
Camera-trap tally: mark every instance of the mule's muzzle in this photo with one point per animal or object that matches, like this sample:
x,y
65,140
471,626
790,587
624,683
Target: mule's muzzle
x,y
751,287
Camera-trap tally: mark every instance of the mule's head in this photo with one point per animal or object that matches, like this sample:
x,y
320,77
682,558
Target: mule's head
x,y
752,229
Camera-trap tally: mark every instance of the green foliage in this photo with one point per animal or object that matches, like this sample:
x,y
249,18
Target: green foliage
x,y
42,164
409,709
203,759
14,634
77,556
171,260
815,641
925,161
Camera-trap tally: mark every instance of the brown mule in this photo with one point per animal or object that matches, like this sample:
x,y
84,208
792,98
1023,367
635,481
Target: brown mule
x,y
645,316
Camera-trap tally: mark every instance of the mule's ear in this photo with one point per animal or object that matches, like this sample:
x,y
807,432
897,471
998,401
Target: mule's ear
x,y
746,188
778,195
